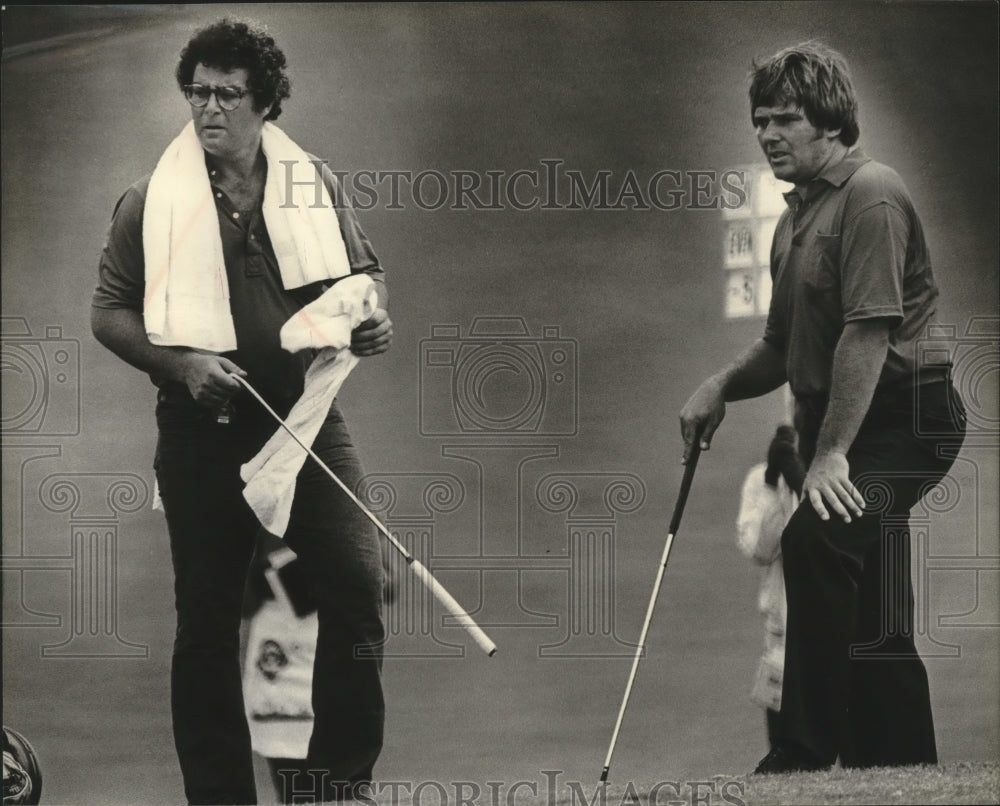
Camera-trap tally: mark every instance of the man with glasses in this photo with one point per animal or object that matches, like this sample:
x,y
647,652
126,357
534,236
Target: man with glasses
x,y
195,284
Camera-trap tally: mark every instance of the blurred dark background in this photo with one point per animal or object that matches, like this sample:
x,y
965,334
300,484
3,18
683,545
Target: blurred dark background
x,y
89,104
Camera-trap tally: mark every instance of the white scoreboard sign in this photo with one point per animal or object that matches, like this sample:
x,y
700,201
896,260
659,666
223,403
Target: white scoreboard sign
x,y
748,230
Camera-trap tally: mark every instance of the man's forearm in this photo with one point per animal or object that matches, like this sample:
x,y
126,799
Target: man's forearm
x,y
761,369
122,331
857,365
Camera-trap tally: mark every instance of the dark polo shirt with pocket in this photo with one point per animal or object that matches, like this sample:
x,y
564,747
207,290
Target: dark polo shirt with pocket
x,y
853,248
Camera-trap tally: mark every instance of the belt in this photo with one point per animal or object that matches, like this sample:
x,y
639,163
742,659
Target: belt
x,y
817,401
927,375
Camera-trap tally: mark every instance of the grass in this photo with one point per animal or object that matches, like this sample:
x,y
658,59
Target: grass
x,y
959,783
950,783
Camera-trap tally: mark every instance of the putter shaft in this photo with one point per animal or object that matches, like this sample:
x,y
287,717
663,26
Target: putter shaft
x,y
675,523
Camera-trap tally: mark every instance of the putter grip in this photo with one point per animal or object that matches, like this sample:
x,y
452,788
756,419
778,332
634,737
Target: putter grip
x,y
682,497
453,608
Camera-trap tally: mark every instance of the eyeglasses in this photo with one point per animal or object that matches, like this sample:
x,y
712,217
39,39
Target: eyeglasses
x,y
229,98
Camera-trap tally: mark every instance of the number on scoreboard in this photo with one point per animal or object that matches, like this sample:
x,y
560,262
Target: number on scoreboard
x,y
740,294
748,232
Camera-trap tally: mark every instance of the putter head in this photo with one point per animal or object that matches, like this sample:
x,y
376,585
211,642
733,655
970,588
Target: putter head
x,y
604,775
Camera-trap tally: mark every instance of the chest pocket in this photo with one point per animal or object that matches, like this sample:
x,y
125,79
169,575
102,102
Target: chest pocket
x,y
822,274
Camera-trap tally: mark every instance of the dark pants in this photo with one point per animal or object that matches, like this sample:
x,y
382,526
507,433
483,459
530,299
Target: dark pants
x,y
212,538
854,685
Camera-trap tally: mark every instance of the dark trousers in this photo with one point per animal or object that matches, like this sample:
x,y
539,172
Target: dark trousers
x,y
854,685
212,537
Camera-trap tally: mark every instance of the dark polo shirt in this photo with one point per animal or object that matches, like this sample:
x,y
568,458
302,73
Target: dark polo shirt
x,y
853,248
258,301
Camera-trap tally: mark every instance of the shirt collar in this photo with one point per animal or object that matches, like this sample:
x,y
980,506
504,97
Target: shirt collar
x,y
834,175
837,174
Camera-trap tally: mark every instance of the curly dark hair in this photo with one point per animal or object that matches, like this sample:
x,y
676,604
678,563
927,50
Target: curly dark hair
x,y
814,77
232,45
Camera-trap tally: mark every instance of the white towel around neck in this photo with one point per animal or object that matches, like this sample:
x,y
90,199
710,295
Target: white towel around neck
x,y
187,290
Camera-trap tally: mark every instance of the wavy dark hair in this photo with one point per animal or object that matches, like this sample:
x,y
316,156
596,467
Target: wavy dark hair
x,y
813,77
232,45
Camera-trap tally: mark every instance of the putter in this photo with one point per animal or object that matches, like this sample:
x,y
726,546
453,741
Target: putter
x,y
437,590
675,523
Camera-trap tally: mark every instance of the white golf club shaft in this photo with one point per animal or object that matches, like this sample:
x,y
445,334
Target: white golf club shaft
x,y
436,588
675,523
638,656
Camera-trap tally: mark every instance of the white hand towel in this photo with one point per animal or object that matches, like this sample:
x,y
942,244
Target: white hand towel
x,y
325,323
764,511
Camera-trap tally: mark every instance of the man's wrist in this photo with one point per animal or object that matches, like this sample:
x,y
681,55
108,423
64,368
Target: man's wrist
x,y
722,381
176,363
828,449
